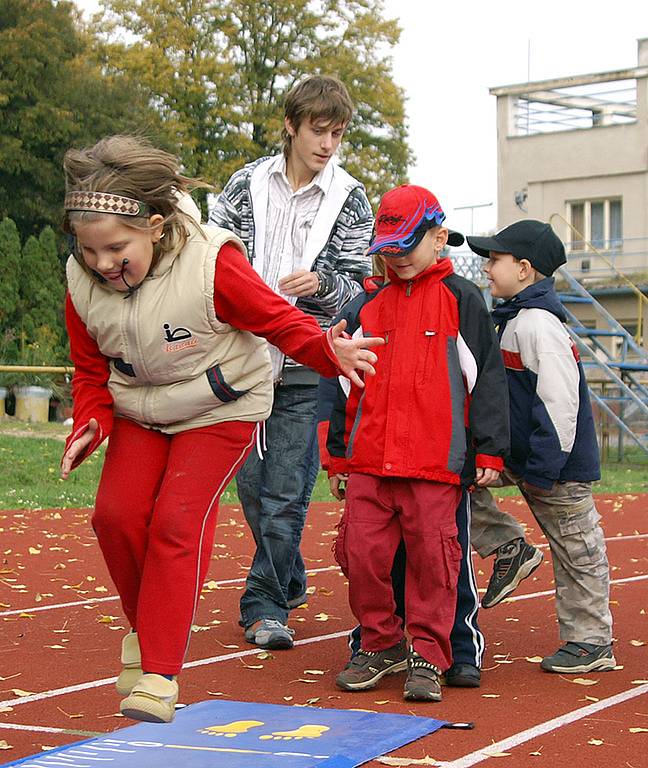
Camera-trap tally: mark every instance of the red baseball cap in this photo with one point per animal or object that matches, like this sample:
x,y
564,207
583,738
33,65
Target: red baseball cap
x,y
404,215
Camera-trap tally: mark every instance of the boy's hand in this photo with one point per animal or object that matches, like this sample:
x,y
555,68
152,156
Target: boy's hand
x,y
354,354
486,476
299,283
78,447
336,484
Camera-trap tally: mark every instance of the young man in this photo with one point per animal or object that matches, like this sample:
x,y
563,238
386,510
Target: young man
x,y
403,440
306,224
554,455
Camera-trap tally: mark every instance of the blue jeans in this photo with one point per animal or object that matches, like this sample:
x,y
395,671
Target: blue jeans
x,y
275,494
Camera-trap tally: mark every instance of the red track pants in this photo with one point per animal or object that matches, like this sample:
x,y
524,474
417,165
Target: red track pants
x,y
155,517
379,511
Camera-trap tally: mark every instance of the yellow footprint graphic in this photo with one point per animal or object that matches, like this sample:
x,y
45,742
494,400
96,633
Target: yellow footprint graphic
x,y
304,732
230,730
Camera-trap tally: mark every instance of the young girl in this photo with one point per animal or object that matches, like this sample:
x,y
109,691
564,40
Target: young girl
x,y
164,318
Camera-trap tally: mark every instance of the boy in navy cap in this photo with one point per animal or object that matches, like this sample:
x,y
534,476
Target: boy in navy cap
x,y
401,443
554,455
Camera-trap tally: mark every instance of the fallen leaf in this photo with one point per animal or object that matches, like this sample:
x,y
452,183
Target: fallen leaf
x,y
264,655
34,551
591,698
596,742
637,643
322,617
55,647
106,619
100,589
20,692
490,695
536,754
216,693
4,745
533,659
582,681
639,682
638,730
315,672
382,701
303,680
497,754
288,698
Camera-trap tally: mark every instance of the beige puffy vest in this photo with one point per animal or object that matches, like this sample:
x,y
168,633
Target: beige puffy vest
x,y
173,364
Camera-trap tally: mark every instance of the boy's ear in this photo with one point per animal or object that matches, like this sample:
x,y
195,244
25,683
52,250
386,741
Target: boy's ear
x,y
525,269
156,223
441,238
289,127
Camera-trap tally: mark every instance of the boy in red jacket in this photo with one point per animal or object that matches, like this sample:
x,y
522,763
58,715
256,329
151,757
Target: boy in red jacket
x,y
403,440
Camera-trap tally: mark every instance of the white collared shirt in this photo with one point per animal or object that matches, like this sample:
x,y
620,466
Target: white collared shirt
x,y
289,219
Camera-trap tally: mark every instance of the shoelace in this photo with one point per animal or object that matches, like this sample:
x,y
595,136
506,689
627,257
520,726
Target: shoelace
x,y
276,624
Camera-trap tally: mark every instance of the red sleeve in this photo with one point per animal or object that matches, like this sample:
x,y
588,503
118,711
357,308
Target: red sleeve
x,y
243,300
90,395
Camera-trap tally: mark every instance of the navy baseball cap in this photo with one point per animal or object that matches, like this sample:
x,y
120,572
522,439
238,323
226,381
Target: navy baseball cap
x,y
528,239
404,215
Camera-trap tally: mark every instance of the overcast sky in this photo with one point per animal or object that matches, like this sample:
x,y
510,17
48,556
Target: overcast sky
x,y
451,53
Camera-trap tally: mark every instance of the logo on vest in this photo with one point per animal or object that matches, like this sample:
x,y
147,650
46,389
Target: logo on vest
x,y
178,338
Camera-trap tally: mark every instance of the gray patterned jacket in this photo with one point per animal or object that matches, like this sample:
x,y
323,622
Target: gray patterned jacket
x,y
336,244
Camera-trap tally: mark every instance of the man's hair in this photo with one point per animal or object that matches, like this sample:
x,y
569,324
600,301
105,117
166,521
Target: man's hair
x,y
318,97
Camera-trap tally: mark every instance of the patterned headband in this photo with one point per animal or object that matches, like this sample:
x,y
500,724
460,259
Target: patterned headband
x,y
103,202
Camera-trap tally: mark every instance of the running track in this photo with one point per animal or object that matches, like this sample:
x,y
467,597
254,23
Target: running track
x,y
62,629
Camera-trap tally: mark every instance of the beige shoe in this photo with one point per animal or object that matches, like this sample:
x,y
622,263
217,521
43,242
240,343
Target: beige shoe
x,y
131,660
152,699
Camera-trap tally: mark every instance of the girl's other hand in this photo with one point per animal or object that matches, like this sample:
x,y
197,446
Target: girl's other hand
x,y
77,447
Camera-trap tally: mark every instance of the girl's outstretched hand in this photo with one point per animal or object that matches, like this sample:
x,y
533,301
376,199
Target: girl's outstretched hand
x,y
77,447
354,354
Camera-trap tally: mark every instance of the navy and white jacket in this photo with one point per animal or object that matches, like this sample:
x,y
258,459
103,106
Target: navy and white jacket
x,y
552,428
337,243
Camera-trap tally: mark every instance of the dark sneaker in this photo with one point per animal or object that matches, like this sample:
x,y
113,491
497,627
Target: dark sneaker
x,y
514,562
463,676
270,633
423,679
366,668
580,657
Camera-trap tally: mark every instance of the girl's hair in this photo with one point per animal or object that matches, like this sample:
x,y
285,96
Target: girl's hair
x,y
318,97
132,167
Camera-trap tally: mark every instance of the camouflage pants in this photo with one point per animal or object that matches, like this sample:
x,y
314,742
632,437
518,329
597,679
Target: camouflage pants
x,y
569,520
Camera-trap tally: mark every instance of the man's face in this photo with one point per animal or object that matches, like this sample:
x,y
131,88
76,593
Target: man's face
x,y
314,143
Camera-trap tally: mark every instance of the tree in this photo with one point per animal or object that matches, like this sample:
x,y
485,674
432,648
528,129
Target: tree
x,y
9,274
51,97
218,71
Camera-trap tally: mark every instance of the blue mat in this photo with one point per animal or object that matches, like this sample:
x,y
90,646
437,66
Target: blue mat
x,y
237,734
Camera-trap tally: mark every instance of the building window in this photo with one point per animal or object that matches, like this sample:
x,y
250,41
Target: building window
x,y
599,221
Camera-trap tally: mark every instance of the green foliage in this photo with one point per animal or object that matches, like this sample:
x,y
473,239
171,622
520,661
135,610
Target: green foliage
x,y
9,280
51,97
218,73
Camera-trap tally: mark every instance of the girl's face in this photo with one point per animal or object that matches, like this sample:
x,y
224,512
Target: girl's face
x,y
122,255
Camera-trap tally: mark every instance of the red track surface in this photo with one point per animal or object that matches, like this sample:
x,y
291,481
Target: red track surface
x,y
51,560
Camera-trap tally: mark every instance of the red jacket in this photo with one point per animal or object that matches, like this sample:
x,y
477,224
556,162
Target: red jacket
x,y
439,393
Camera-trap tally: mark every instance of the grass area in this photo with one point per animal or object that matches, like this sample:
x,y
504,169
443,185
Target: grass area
x,y
30,456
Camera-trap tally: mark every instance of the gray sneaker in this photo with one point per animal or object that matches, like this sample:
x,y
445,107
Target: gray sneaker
x,y
366,668
423,679
580,657
270,633
514,562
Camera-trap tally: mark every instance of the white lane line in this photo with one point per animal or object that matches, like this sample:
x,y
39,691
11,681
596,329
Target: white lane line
x,y
539,730
112,598
549,592
94,600
197,663
48,729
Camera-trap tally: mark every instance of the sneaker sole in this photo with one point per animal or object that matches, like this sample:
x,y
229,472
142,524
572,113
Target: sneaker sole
x,y
399,666
525,571
147,711
413,696
600,665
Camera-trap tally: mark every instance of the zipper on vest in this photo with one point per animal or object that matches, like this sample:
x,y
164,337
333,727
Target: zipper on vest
x,y
408,290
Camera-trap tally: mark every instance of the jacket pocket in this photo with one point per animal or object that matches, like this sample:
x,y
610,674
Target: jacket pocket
x,y
451,555
220,387
430,344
